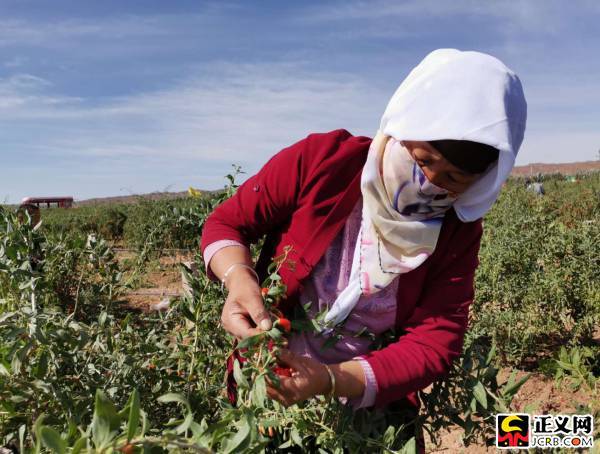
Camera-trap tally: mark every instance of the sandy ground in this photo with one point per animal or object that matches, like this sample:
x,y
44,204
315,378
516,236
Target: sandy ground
x,y
164,281
540,394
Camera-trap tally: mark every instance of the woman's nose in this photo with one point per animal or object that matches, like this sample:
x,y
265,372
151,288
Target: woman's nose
x,y
433,174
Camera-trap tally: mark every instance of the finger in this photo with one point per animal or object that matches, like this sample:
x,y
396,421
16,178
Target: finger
x,y
258,313
274,394
287,358
288,388
238,325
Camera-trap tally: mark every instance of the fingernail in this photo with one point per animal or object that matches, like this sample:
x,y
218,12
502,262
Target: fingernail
x,y
265,325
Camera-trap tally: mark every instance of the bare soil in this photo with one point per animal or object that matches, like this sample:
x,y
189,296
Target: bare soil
x,y
164,281
539,395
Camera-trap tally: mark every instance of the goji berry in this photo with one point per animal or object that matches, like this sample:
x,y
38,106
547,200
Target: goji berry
x,y
283,371
128,449
285,324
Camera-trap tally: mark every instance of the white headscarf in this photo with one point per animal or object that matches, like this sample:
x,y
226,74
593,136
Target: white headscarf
x,y
449,95
455,95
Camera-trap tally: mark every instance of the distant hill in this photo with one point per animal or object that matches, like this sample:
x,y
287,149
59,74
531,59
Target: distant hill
x,y
135,198
569,168
132,198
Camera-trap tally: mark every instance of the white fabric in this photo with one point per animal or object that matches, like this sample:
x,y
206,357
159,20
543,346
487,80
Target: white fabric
x,y
401,221
462,96
449,95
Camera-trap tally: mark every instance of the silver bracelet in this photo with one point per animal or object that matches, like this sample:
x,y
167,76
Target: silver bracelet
x,y
330,394
226,274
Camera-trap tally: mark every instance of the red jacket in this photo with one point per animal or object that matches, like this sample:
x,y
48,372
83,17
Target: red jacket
x,y
302,198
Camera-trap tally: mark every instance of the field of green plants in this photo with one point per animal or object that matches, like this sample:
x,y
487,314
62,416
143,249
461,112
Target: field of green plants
x,y
81,371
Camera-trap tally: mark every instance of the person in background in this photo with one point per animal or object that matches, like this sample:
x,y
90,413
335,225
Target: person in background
x,y
384,232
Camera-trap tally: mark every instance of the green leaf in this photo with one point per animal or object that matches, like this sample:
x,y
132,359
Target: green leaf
x,y
187,313
52,440
4,370
37,429
185,425
274,291
512,388
240,439
275,333
134,414
104,422
296,438
144,422
270,423
22,430
259,391
174,397
576,358
480,394
42,366
238,375
105,409
79,445
490,355
410,447
251,341
389,436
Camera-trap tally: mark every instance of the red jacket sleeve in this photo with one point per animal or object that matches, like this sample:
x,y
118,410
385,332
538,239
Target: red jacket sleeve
x,y
433,335
261,203
267,200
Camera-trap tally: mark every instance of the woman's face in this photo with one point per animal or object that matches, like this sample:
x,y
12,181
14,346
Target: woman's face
x,y
438,169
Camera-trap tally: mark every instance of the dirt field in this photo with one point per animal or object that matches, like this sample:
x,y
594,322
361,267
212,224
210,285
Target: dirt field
x,y
539,395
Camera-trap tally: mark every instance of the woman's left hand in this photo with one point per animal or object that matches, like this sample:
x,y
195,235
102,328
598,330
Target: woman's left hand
x,y
309,378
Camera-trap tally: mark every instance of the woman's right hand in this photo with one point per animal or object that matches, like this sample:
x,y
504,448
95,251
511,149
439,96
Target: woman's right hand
x,y
244,314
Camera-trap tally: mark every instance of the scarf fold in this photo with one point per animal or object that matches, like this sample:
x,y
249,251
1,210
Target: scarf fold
x,y
453,95
401,221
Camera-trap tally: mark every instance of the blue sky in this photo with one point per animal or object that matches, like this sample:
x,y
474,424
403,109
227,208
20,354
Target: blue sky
x,y
119,97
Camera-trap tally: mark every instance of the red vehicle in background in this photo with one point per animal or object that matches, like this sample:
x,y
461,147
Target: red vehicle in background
x,y
31,205
61,202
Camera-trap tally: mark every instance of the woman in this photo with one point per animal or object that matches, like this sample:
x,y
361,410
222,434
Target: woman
x,y
384,232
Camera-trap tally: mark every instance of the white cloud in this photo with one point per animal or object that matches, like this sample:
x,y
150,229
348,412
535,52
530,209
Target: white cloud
x,y
16,62
47,34
73,31
238,113
523,16
24,94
